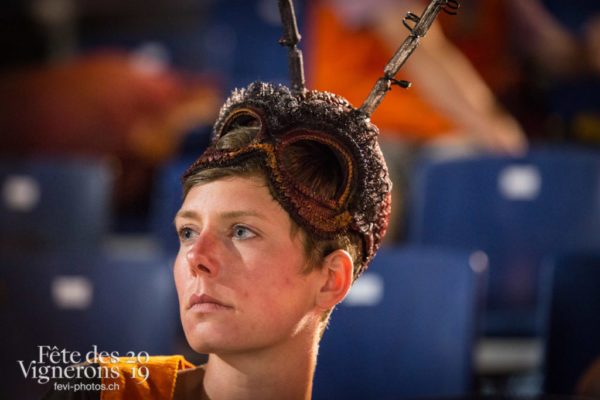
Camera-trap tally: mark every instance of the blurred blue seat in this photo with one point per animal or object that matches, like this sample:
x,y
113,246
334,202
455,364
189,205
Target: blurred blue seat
x,y
167,198
49,204
517,210
252,30
167,194
406,329
82,303
573,341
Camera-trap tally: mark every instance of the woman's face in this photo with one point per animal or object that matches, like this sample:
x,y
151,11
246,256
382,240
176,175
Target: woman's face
x,y
238,272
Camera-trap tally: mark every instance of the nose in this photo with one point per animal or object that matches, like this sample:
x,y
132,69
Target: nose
x,y
202,255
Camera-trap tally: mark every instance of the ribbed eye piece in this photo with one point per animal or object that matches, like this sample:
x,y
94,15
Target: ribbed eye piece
x,y
313,162
249,121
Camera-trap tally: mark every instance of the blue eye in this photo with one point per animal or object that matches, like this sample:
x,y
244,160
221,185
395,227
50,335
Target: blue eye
x,y
241,232
185,233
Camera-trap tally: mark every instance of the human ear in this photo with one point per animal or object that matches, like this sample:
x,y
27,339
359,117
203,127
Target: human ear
x,y
336,270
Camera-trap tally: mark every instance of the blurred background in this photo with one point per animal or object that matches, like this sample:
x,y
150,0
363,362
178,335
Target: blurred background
x,y
488,284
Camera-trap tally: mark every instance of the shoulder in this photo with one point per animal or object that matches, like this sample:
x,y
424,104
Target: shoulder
x,y
142,377
190,383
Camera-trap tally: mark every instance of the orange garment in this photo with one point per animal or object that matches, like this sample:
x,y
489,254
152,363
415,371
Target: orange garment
x,y
349,62
159,385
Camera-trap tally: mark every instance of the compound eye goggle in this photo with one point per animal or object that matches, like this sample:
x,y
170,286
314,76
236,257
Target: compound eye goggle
x,y
282,149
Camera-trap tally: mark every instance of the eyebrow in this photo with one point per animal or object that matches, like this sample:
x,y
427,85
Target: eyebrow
x,y
242,213
226,215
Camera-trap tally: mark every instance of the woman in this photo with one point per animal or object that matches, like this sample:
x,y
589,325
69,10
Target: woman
x,y
281,214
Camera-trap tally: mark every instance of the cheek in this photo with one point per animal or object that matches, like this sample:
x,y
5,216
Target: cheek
x,y
180,277
277,289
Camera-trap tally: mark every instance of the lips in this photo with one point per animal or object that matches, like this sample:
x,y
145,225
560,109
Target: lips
x,y
205,303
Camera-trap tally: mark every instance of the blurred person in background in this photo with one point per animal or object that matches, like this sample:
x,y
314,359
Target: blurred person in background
x,y
558,44
127,107
450,103
562,38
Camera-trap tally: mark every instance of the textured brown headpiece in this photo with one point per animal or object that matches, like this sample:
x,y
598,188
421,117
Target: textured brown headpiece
x,y
288,117
363,202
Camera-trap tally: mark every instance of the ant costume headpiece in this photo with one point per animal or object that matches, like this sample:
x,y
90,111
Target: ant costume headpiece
x,y
286,118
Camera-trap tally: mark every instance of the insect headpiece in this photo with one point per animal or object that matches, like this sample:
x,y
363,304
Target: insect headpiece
x,y
289,117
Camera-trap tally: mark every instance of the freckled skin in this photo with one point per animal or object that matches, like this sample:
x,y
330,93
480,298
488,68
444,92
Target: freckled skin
x,y
249,263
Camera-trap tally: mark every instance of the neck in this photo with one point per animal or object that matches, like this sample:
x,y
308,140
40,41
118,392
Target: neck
x,y
280,372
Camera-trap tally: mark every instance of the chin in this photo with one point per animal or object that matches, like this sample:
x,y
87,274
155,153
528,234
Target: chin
x,y
202,348
205,341
214,347
200,344
219,344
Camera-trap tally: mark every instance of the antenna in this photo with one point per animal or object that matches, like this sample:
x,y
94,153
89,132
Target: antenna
x,y
418,29
290,38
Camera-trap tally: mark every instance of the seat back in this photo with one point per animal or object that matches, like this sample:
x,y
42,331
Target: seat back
x,y
517,210
573,341
85,303
406,329
252,32
53,204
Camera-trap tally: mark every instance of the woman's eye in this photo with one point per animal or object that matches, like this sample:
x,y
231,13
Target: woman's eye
x,y
185,233
241,232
